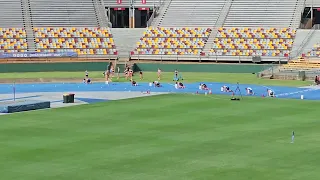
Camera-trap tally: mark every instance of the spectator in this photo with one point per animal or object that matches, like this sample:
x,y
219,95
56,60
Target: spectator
x,y
316,80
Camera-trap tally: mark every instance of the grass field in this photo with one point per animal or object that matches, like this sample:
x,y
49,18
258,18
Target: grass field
x,y
244,78
167,137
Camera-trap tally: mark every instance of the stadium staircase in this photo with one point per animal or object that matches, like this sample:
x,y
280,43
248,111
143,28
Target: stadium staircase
x,y
161,13
25,4
265,13
191,13
219,23
210,41
125,39
313,40
30,39
303,42
101,13
223,14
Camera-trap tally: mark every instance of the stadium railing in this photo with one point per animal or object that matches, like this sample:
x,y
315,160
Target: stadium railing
x,y
82,58
206,58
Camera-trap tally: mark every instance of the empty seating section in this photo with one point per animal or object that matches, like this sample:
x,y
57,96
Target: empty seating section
x,y
173,41
315,52
63,13
11,13
314,3
253,42
84,41
192,13
13,40
264,13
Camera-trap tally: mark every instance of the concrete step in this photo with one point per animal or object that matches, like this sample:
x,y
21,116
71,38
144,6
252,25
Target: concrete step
x,y
125,39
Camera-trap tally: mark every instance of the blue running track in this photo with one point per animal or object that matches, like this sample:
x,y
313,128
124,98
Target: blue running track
x,y
280,92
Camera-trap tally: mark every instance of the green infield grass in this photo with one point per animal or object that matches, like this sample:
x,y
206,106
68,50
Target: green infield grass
x,y
243,78
166,137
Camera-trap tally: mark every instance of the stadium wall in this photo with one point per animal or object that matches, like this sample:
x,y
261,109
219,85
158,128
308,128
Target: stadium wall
x,y
221,68
101,66
51,67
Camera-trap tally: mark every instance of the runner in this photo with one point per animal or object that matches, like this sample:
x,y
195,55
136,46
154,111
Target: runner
x,y
249,91
118,72
159,74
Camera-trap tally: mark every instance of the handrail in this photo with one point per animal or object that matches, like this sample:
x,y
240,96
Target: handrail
x,y
297,14
305,41
159,9
149,22
215,58
155,11
224,14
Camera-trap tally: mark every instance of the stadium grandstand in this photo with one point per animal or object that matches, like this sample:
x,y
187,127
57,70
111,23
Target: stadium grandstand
x,y
239,30
81,40
191,13
264,13
218,30
178,41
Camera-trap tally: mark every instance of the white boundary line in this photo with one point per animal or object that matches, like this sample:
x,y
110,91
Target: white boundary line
x,y
297,92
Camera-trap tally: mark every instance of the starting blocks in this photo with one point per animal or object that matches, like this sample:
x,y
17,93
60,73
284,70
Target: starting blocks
x,y
147,92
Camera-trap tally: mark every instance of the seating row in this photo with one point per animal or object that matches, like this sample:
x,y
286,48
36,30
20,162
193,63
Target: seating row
x,y
238,52
87,41
74,43
315,51
177,41
157,40
253,42
81,51
12,50
90,40
71,32
175,51
177,32
258,34
12,33
257,30
11,44
171,43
